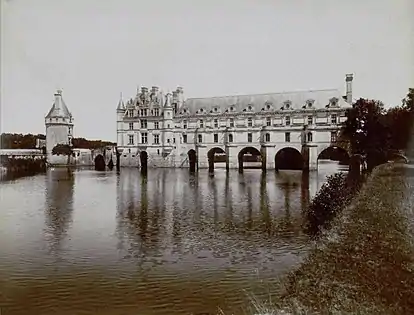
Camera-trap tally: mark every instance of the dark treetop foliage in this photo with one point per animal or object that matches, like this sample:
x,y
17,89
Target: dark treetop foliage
x,y
19,141
376,132
28,141
62,149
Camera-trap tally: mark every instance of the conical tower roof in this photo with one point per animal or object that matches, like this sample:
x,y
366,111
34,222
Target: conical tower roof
x,y
121,104
59,108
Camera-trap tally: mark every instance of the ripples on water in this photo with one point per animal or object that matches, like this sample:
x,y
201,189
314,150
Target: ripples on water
x,y
171,243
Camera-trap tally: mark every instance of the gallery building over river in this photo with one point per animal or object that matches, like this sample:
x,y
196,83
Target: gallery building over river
x,y
261,130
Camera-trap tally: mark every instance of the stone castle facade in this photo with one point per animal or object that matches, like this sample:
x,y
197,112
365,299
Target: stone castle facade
x,y
168,130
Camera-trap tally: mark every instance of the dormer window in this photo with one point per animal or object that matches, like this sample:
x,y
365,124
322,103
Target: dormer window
x,y
309,103
201,110
333,102
287,104
231,108
215,109
250,107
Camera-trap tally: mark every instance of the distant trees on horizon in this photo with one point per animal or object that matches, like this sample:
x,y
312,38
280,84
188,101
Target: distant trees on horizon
x,y
28,141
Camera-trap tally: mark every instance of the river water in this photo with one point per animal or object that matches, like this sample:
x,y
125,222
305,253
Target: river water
x,y
89,242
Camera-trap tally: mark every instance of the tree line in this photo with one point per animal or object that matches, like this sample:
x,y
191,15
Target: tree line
x,y
378,133
28,141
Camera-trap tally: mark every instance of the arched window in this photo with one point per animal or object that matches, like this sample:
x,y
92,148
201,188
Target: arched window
x,y
310,137
230,138
200,138
267,137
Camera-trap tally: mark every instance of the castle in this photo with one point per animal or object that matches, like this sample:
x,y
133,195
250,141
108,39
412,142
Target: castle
x,y
166,130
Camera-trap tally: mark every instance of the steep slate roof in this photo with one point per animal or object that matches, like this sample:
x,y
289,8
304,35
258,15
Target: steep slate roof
x,y
59,108
297,99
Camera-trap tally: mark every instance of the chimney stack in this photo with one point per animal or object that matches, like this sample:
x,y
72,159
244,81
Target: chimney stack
x,y
179,93
348,79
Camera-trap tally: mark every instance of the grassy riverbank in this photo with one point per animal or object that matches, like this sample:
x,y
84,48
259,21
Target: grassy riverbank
x,y
365,263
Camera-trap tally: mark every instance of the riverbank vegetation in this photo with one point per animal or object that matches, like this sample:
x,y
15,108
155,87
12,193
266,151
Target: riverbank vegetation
x,y
334,195
17,167
365,263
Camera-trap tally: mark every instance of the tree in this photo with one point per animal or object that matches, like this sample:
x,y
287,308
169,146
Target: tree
x,y
63,149
367,131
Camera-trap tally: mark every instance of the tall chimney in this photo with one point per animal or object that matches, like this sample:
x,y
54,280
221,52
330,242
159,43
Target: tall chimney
x,y
180,96
348,79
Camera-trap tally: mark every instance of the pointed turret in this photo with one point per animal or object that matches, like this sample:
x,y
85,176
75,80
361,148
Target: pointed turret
x,y
59,108
121,105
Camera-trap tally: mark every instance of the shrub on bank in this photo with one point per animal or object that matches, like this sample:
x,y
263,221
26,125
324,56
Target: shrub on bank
x,y
331,199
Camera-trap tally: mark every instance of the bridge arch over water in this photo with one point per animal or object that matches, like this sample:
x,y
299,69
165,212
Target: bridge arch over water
x,y
289,158
334,153
215,155
250,158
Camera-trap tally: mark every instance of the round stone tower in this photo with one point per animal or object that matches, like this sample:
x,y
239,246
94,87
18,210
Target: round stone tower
x,y
59,129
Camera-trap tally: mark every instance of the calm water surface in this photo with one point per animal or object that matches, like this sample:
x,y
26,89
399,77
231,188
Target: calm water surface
x,y
92,242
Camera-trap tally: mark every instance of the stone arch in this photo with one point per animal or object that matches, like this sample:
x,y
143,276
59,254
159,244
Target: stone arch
x,y
289,158
99,162
143,157
215,155
252,156
334,153
192,159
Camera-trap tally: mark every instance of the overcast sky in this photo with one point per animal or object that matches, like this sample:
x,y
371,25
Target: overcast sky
x,y
96,49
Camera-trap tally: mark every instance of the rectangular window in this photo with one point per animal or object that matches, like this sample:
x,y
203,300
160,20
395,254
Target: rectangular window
x,y
287,136
185,124
131,113
156,139
168,140
231,122
333,137
144,137
230,138
156,112
200,138
156,125
249,122
144,112
215,123
268,121
131,126
131,139
267,137
201,124
334,119
184,138
287,121
173,140
310,120
249,137
215,137
144,124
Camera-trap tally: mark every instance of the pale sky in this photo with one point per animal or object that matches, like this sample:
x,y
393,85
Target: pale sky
x,y
95,49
